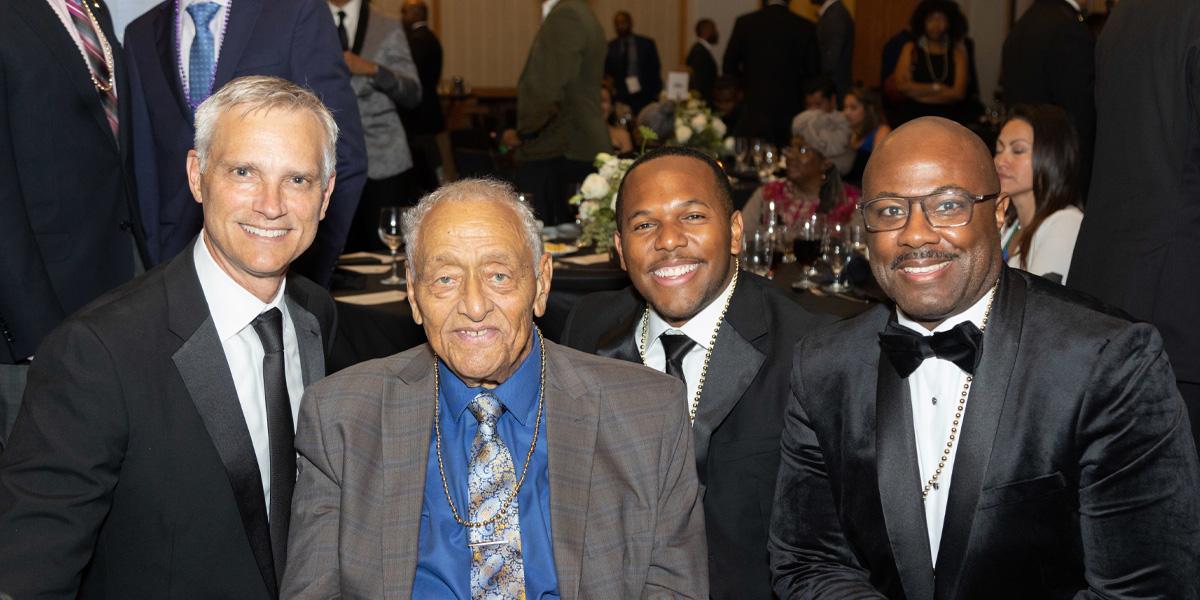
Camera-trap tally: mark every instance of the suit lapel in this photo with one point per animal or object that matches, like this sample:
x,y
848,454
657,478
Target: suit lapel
x,y
734,364
168,60
243,17
900,483
405,424
984,406
201,363
308,336
621,340
572,419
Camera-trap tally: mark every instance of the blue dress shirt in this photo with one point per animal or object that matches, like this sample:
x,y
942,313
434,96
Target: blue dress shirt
x,y
443,558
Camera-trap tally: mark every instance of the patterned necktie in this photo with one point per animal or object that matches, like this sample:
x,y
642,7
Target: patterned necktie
x,y
202,53
280,432
497,570
676,346
94,42
343,35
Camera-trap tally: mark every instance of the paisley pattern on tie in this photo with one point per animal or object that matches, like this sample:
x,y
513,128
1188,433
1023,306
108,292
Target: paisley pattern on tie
x,y
497,570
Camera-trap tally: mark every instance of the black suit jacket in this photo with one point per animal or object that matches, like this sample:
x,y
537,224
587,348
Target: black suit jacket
x,y
1049,58
1137,247
426,118
773,51
1074,475
292,39
704,71
835,32
739,419
130,472
66,190
649,71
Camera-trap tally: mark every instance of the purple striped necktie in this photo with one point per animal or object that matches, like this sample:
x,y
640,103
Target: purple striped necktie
x,y
94,45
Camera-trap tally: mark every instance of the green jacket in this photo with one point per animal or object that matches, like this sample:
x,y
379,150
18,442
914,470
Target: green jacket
x,y
558,95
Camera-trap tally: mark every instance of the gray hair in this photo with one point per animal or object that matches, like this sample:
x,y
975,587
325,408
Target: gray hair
x,y
472,190
828,133
263,93
659,116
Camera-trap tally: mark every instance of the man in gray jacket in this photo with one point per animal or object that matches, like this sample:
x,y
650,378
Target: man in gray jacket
x,y
384,79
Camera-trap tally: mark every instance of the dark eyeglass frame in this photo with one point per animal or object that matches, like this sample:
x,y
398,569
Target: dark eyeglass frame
x,y
974,198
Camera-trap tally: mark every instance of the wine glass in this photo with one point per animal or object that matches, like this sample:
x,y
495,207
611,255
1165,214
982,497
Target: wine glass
x,y
858,240
758,252
806,245
835,251
391,220
765,161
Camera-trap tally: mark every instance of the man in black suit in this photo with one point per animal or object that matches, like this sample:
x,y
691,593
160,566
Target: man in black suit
x,y
1049,58
773,51
1137,247
727,334
425,122
993,436
293,39
702,59
66,218
835,34
632,62
153,457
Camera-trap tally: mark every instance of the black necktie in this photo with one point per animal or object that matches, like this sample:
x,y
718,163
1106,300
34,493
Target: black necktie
x,y
907,349
342,35
280,432
676,346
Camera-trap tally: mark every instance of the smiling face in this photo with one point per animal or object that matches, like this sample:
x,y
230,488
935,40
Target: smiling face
x,y
475,290
676,237
262,193
804,164
935,273
1014,158
854,111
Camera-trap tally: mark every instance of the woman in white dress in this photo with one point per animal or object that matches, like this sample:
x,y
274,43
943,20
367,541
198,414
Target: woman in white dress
x,y
1037,158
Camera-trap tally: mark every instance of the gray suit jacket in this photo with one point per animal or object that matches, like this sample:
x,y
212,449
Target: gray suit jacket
x,y
381,39
622,481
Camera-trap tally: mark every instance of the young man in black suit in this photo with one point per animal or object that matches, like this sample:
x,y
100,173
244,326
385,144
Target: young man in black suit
x,y
993,436
702,59
727,334
154,457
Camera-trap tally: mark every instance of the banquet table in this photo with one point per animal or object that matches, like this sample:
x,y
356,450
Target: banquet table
x,y
375,320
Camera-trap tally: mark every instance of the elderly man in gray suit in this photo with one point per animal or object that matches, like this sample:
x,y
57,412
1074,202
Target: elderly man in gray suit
x,y
384,78
483,463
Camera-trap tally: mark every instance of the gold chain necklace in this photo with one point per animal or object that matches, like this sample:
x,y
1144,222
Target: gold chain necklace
x,y
929,63
712,343
958,412
437,428
105,48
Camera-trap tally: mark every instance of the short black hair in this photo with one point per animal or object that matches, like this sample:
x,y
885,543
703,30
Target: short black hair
x,y
956,22
724,189
702,23
820,83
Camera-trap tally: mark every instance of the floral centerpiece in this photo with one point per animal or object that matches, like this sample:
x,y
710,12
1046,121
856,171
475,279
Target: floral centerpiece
x,y
597,201
697,127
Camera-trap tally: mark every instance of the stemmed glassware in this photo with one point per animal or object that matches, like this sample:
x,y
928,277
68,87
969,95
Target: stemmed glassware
x,y
765,157
806,245
836,251
391,220
759,247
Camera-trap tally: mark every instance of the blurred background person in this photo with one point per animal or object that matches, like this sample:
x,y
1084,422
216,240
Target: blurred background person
x,y
702,59
817,156
424,123
820,94
863,109
727,101
1037,158
933,71
835,34
658,117
772,51
618,134
632,62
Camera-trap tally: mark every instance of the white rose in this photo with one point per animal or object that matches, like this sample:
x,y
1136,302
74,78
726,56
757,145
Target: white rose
x,y
699,122
683,134
719,127
586,209
609,169
730,143
679,123
594,187
604,157
693,103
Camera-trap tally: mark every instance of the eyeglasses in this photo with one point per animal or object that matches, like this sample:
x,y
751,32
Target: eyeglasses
x,y
951,208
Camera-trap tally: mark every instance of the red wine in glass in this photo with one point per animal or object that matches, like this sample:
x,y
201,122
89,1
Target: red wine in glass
x,y
807,251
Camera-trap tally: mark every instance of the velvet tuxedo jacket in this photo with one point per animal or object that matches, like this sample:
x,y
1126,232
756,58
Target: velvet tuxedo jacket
x,y
739,419
292,39
131,472
1075,475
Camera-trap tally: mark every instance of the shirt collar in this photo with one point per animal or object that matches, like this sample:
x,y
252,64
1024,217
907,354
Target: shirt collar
x,y
518,393
419,24
825,7
1075,5
699,328
187,3
548,6
973,314
232,307
711,49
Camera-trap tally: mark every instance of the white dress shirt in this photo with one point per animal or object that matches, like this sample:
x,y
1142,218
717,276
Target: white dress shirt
x,y
1075,5
935,388
711,50
187,34
547,6
60,8
699,329
233,309
351,8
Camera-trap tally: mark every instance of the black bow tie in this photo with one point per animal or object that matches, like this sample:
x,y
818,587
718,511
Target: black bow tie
x,y
907,349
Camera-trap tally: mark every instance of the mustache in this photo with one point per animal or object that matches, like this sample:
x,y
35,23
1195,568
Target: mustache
x,y
922,255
